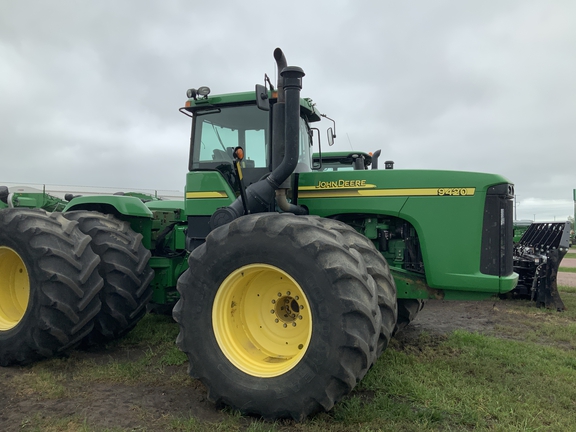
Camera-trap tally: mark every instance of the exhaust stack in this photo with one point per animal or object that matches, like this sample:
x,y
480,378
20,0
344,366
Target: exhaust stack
x,y
286,135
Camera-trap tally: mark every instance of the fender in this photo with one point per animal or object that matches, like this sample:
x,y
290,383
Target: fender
x,y
115,204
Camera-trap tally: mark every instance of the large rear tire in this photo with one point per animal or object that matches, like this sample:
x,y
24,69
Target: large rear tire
x,y
49,285
125,270
378,268
278,317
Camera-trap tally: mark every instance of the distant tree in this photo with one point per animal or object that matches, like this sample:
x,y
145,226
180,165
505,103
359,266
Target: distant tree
x,y
571,220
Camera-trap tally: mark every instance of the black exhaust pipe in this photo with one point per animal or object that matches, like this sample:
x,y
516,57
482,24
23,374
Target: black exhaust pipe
x,y
286,126
292,84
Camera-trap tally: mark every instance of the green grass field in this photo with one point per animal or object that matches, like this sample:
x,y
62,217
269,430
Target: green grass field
x,y
520,378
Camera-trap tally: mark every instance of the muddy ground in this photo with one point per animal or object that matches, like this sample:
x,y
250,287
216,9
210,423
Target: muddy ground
x,y
565,278
147,408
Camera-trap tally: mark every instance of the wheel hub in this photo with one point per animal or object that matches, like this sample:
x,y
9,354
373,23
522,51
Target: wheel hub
x,y
262,320
287,309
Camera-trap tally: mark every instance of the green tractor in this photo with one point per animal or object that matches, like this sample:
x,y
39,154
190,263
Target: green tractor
x,y
288,280
30,197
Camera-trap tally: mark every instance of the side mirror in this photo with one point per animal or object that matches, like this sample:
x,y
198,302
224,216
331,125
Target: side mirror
x,y
262,101
331,136
331,133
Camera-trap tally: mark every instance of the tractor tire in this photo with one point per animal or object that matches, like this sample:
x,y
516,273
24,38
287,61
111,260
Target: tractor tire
x,y
49,285
378,268
125,270
277,316
407,311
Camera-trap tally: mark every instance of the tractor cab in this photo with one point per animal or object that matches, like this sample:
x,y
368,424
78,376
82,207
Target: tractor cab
x,y
244,148
222,123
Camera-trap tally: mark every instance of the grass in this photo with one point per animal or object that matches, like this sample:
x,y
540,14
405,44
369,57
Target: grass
x,y
521,377
567,269
570,254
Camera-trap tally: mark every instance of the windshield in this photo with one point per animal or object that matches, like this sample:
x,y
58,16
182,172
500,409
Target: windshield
x,y
219,131
217,134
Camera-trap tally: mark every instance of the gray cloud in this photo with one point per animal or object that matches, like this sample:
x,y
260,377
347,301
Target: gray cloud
x,y
90,91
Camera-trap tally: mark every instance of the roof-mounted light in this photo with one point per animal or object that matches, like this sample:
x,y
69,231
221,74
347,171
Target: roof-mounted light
x,y
203,91
191,93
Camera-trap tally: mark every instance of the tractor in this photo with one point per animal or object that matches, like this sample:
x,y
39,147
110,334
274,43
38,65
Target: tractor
x,y
287,280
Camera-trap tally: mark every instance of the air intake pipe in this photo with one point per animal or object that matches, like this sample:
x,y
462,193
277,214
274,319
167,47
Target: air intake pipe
x,y
260,195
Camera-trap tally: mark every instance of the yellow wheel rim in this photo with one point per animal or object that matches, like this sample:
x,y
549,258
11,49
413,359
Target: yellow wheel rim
x,y
262,320
14,288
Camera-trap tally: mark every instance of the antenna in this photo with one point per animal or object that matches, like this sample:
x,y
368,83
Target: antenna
x,y
349,142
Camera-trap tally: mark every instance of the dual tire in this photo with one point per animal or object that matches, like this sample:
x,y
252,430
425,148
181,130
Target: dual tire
x,y
124,269
280,316
49,285
81,277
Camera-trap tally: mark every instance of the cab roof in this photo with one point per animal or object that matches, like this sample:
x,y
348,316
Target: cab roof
x,y
307,107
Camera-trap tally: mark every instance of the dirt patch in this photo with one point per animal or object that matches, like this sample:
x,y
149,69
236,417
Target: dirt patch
x,y
567,279
446,316
108,406
442,317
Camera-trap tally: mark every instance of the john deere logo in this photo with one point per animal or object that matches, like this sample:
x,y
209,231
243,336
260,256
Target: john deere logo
x,y
343,184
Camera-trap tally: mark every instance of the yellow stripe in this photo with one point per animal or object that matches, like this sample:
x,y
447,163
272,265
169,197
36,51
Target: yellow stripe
x,y
339,193
213,194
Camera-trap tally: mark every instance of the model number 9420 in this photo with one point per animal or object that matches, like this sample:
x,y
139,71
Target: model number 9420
x,y
455,191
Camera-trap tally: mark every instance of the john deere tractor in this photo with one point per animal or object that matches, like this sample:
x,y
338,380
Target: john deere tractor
x,y
288,280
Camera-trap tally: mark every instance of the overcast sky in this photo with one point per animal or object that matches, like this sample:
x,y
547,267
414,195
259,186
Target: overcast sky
x,y
90,91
